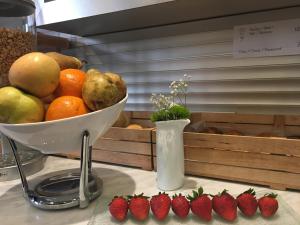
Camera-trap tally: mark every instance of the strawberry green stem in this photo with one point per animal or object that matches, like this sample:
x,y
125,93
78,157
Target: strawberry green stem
x,y
271,195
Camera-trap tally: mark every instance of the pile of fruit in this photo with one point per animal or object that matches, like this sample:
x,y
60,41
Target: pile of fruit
x,y
202,205
51,86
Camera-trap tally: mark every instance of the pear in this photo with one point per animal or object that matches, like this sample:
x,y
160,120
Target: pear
x,y
18,107
99,91
119,82
35,73
65,61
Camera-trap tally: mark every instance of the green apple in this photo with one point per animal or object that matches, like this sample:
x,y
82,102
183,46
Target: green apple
x,y
18,107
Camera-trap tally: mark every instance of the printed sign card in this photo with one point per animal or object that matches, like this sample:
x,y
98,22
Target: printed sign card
x,y
267,39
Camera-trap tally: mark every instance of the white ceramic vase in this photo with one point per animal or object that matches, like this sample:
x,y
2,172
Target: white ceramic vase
x,y
170,154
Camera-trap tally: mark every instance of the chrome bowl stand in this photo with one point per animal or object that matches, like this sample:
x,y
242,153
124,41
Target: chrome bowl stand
x,y
65,190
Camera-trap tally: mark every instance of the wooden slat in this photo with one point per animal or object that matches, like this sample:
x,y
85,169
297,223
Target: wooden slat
x,y
233,118
142,161
123,146
279,121
251,124
143,122
247,143
292,120
243,159
256,129
265,177
141,115
117,133
246,129
249,175
70,155
242,143
128,114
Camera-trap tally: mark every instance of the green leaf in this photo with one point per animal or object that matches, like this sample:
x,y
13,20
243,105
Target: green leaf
x,y
195,194
223,192
175,112
250,191
200,191
271,195
190,198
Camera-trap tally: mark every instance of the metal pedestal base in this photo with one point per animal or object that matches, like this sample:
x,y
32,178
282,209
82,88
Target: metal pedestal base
x,y
65,190
62,191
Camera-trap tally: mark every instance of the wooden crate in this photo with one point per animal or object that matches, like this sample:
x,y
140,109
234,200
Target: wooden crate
x,y
130,147
271,161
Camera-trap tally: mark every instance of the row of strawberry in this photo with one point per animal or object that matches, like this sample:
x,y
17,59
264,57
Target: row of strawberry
x,y
201,205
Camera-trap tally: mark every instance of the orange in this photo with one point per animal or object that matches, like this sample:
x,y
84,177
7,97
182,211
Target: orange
x,y
70,83
64,107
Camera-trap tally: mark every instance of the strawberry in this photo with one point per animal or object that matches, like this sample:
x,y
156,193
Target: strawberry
x,y
180,206
160,205
247,202
118,208
201,204
139,206
225,206
268,205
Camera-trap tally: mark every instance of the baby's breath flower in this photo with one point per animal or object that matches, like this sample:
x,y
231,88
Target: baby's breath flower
x,y
165,103
161,101
178,90
187,77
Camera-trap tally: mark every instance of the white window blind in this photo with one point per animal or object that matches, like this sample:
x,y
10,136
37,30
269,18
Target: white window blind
x,y
220,83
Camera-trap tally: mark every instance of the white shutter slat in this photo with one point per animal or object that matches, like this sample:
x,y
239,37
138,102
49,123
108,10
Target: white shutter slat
x,y
202,63
164,54
231,98
236,86
158,43
255,109
96,46
213,74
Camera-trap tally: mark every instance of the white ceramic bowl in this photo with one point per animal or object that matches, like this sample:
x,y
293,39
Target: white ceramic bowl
x,y
64,135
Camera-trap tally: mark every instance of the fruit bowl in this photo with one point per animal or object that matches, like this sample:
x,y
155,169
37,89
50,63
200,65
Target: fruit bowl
x,y
64,135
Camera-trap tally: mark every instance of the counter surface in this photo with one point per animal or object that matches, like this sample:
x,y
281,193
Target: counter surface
x,y
117,181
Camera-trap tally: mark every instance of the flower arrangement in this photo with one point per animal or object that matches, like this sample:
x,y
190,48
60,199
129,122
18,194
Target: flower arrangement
x,y
172,106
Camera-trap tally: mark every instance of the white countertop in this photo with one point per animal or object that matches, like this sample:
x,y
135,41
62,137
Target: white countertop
x,y
14,209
